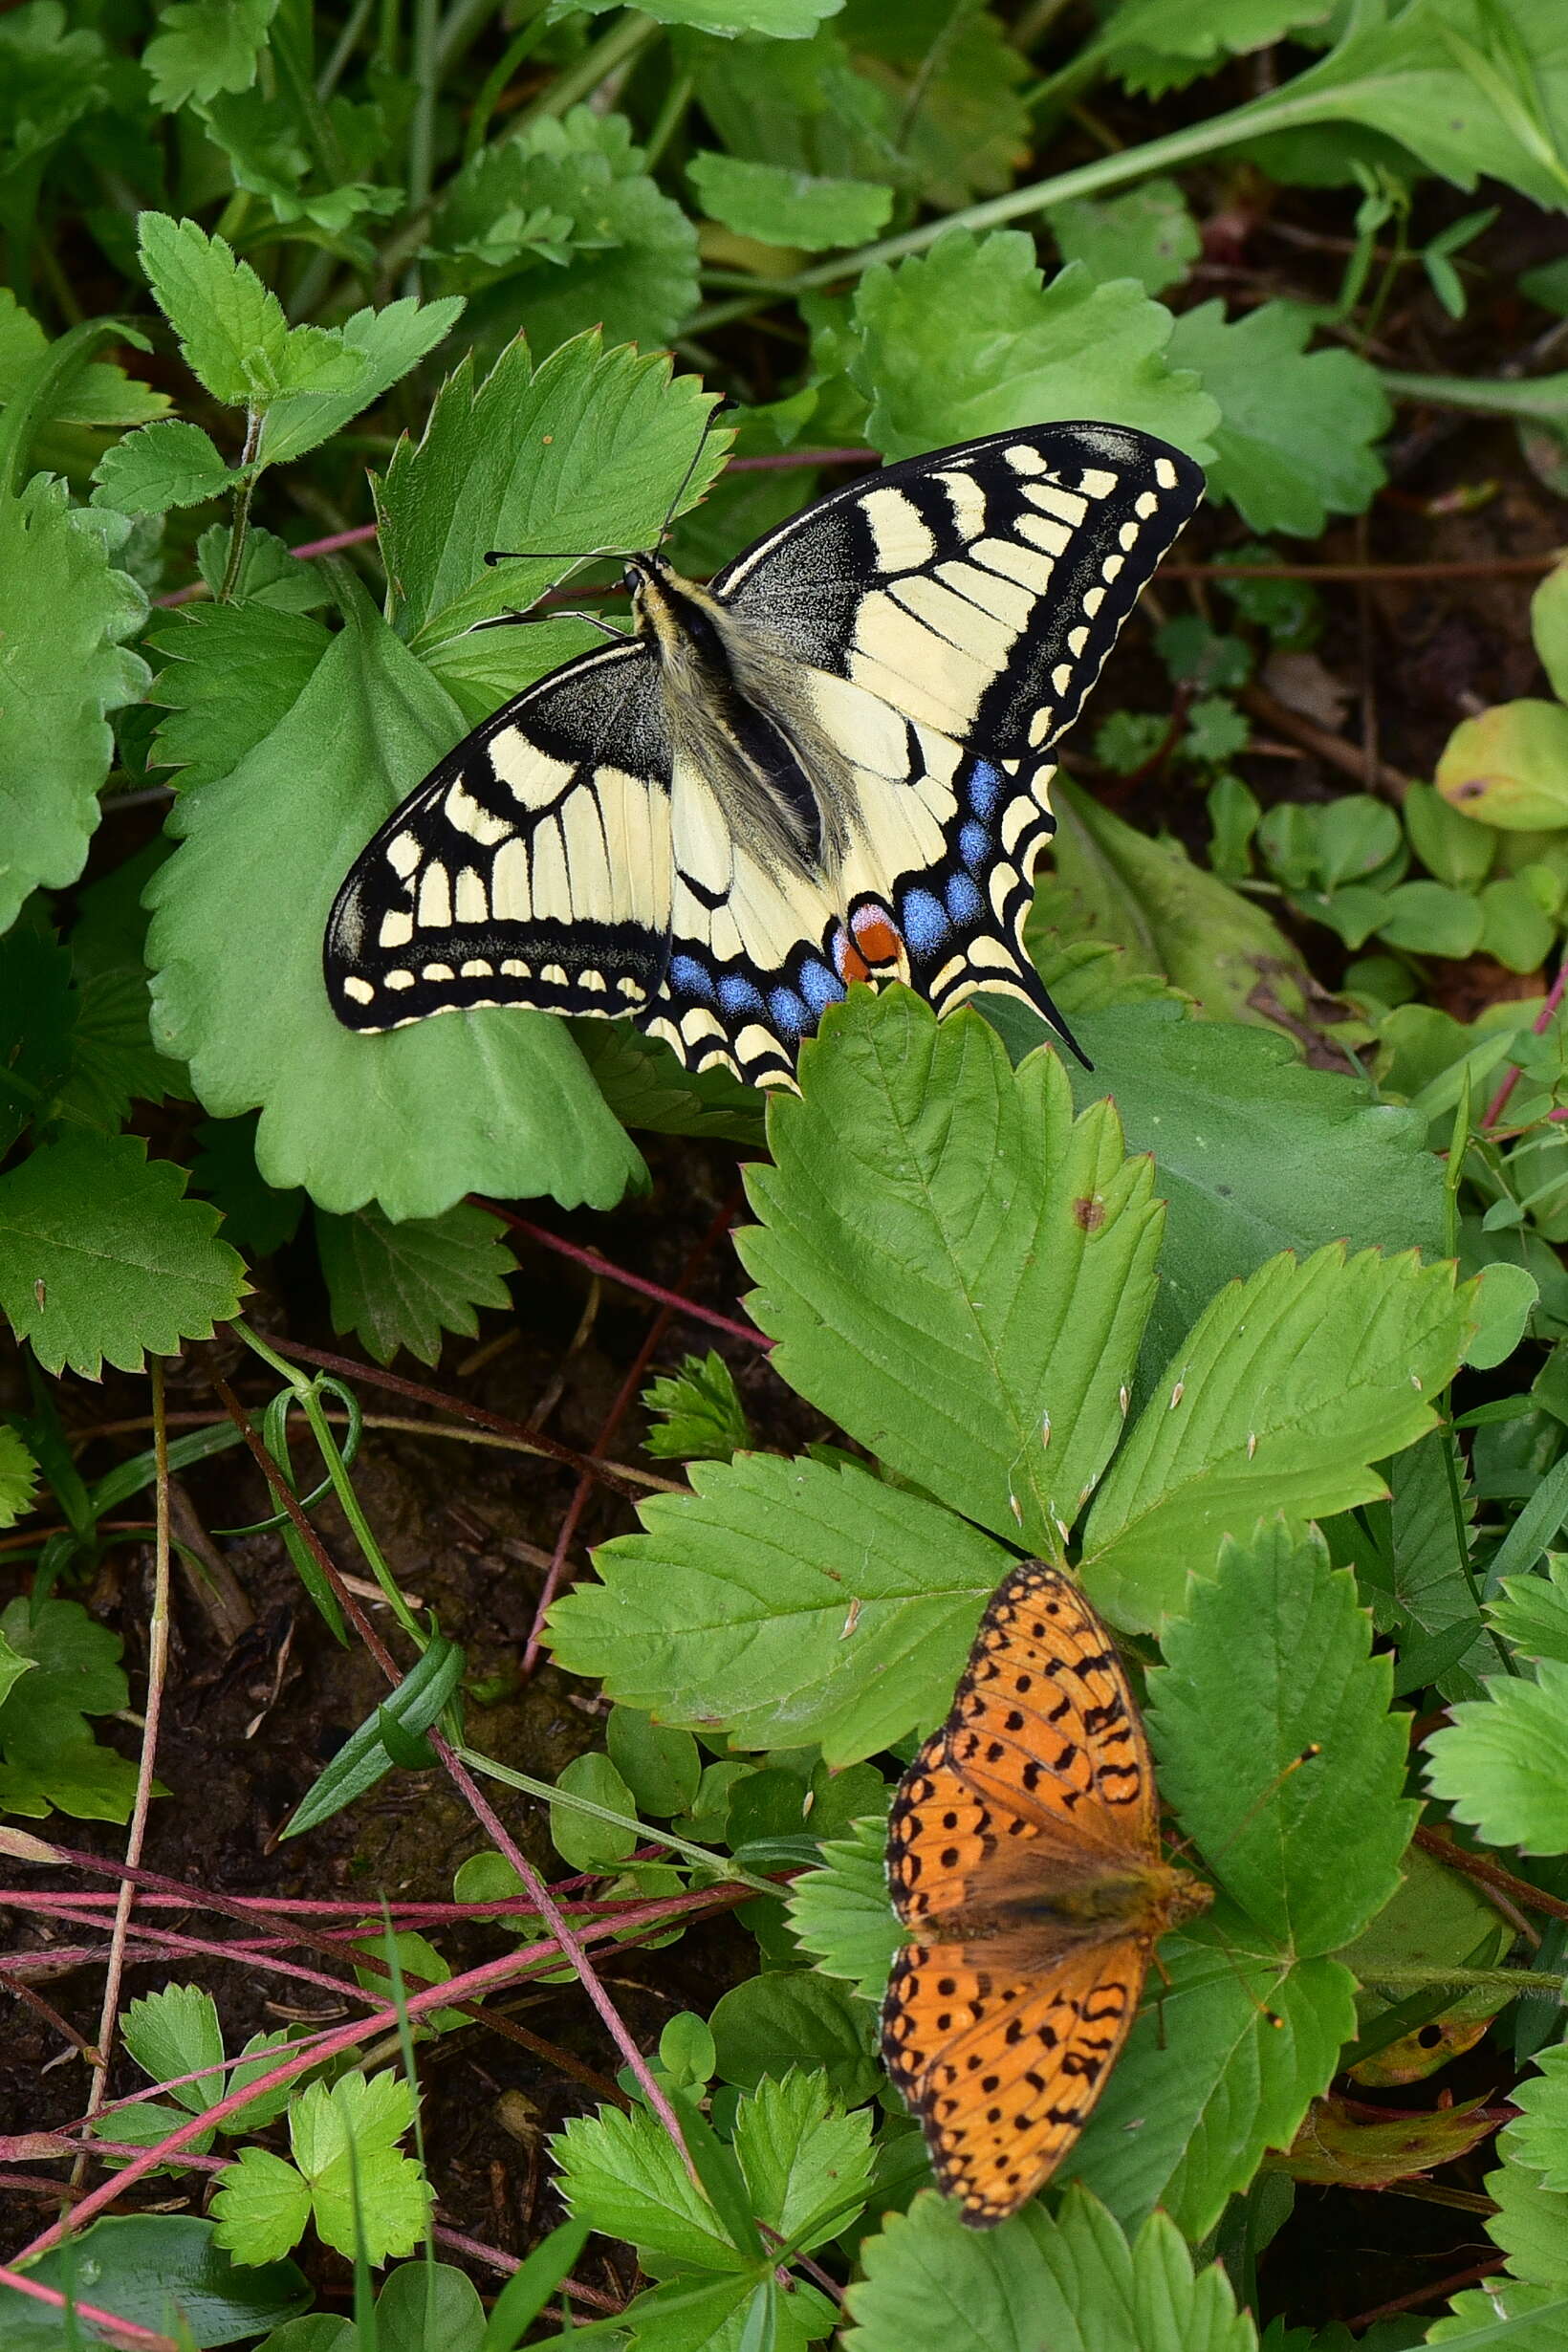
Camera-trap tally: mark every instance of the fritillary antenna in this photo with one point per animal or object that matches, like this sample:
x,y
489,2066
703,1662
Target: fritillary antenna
x,y
1314,1748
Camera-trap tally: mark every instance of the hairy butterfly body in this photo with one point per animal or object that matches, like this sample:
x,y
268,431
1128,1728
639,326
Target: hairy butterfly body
x,y
826,766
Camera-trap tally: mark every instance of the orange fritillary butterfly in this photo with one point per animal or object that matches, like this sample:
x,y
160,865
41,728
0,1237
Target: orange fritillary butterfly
x,y
1024,1859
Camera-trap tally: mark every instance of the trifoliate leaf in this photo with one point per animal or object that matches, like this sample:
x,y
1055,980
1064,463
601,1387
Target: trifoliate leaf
x,y
1502,1761
784,1601
490,1101
404,1285
166,465
1070,2279
18,1482
1148,235
70,1671
701,1418
968,340
232,673
789,207
376,2198
205,46
64,610
1294,442
1310,1853
261,2206
577,186
102,1256
1287,1391
1015,1254
841,1915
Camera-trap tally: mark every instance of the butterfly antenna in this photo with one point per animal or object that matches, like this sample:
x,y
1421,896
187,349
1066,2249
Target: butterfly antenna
x,y
550,555
710,425
1312,1749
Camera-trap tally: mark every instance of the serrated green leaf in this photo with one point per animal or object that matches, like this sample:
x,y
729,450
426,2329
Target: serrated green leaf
x,y
256,1219
1287,1389
784,1601
1070,2279
789,207
406,1285
1294,442
969,339
958,123
1539,2137
376,2198
1156,45
18,1482
205,46
175,2031
102,1256
1533,1612
1149,233
1311,1854
841,1913
768,2025
801,108
968,1285
1530,2222
232,328
622,2173
1208,2081
232,673
72,1670
261,2206
164,464
1415,1573
586,450
805,2161
96,394
1502,1761
386,344
646,1086
64,610
700,1417
490,1101
572,190
113,1060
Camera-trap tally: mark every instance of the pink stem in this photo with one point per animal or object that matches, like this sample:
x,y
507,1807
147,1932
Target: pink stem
x,y
602,1266
1539,1026
140,2339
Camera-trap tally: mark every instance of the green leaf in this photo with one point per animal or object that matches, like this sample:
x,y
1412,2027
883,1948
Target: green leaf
x,y
1502,1761
789,207
1170,917
1530,2222
1532,1613
582,1842
1214,1101
38,1015
379,2198
804,108
784,1601
779,21
1293,441
586,450
622,2173
967,340
660,1767
261,2206
113,1060
154,2270
232,673
234,333
164,464
768,2025
1539,2137
64,610
955,121
404,1285
175,2031
385,343
426,2303
256,1219
76,1672
804,2159
1416,1573
1313,1856
1149,233
1070,2279
570,190
1290,1386
1507,766
968,1288
1470,89
490,1101
647,1087
841,1915
702,1417
205,46
18,1482
1156,45
96,394
102,1256
1208,2081
1549,627
1429,919
363,1758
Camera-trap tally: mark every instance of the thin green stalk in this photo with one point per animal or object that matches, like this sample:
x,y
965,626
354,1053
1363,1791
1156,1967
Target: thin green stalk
x,y
668,119
422,122
526,38
460,28
344,1489
348,41
492,1771
242,508
1517,1984
618,47
1534,396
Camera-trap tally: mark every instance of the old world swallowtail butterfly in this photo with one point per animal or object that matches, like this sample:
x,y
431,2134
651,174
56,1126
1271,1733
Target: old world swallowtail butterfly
x,y
827,766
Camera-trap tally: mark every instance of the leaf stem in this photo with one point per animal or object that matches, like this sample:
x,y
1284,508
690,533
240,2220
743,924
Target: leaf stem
x,y
573,1803
526,38
618,47
243,496
1513,1984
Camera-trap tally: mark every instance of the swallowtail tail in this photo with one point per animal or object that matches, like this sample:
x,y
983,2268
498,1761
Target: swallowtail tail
x,y
828,765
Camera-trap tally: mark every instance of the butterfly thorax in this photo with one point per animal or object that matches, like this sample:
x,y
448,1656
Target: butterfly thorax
x,y
1062,1905
739,714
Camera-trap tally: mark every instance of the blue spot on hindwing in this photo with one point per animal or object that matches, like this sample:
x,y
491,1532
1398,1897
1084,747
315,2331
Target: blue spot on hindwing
x,y
820,986
974,844
965,903
789,1011
922,921
691,978
739,995
986,785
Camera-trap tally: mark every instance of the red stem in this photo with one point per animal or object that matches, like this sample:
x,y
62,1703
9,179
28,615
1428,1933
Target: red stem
x,y
1538,1028
671,1300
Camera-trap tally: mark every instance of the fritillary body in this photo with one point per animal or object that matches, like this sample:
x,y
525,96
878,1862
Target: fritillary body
x,y
1024,1859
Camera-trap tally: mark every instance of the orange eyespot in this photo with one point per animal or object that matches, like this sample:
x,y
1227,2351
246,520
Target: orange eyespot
x,y
875,936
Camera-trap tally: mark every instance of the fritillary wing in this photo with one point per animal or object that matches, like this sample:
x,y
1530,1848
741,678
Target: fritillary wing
x,y
1044,1724
1001,2070
943,1840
